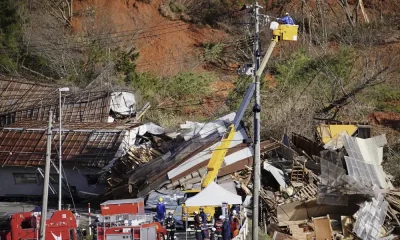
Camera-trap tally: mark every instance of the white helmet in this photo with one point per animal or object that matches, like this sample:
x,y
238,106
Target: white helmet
x,y
196,212
222,217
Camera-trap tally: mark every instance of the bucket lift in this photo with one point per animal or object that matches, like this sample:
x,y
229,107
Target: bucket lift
x,y
280,32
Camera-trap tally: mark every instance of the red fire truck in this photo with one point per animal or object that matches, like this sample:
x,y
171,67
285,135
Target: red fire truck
x,y
23,226
126,220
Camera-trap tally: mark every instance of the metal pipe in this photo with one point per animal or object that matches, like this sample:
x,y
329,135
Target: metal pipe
x,y
60,90
60,157
90,220
43,216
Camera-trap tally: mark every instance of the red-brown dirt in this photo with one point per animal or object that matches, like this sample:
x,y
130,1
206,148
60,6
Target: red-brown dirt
x,y
165,47
388,119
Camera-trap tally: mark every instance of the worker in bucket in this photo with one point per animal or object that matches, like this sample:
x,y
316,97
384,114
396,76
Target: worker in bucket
x,y
218,227
286,19
161,210
198,222
170,226
226,230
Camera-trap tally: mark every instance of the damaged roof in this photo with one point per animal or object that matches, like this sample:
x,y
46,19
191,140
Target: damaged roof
x,y
17,94
84,144
21,100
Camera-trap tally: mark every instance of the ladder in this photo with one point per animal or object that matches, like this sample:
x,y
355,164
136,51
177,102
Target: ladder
x,y
297,174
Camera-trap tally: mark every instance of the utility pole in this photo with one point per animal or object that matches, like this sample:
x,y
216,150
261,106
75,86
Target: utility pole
x,y
256,111
43,216
60,90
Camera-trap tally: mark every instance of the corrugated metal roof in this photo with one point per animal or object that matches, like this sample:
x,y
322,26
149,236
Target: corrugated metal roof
x,y
83,144
70,126
16,94
20,100
82,107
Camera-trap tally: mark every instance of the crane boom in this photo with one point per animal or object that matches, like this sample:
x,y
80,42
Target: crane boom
x,y
217,158
280,32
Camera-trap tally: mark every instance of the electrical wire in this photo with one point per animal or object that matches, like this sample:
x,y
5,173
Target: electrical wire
x,y
105,43
90,40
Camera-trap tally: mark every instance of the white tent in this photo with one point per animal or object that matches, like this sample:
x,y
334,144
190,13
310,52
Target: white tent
x,y
213,195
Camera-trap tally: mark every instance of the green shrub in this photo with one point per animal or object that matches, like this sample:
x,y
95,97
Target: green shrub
x,y
147,85
213,51
10,35
188,85
301,69
177,7
386,98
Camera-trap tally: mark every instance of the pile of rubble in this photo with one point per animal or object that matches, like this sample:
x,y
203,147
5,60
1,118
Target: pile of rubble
x,y
334,187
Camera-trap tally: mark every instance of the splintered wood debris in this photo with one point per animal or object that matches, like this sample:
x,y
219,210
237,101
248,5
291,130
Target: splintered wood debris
x,y
300,197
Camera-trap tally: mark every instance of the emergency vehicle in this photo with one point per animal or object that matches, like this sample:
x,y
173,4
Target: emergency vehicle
x,y
61,225
126,220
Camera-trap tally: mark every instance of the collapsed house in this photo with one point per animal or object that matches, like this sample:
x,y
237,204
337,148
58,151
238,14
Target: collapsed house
x,y
308,185
96,127
332,186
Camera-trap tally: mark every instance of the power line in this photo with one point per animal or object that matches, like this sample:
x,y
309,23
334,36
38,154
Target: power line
x,y
151,29
87,43
157,25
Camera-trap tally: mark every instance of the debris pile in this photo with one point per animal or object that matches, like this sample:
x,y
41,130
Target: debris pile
x,y
331,188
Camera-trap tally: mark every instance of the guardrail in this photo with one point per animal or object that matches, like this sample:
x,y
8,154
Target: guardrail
x,y
244,230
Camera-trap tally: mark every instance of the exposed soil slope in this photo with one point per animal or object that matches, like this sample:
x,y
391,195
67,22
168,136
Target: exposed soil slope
x,y
165,47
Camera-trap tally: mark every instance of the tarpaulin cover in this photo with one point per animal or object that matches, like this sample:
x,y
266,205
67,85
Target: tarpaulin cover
x,y
170,198
123,103
213,195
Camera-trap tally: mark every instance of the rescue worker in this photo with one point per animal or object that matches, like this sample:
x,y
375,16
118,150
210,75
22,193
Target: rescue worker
x,y
213,235
204,229
93,226
170,226
160,210
234,224
218,227
226,230
286,19
236,208
198,222
203,215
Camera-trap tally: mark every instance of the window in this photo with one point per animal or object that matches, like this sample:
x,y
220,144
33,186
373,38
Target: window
x,y
21,178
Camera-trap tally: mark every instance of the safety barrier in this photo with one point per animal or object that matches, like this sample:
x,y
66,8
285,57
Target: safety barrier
x,y
244,230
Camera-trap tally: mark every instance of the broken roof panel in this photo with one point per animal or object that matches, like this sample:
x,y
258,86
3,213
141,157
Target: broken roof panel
x,y
365,158
366,173
22,100
369,150
331,182
331,174
370,218
87,107
83,145
18,94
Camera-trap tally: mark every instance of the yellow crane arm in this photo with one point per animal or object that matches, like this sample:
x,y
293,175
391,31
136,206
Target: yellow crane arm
x,y
280,32
217,158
